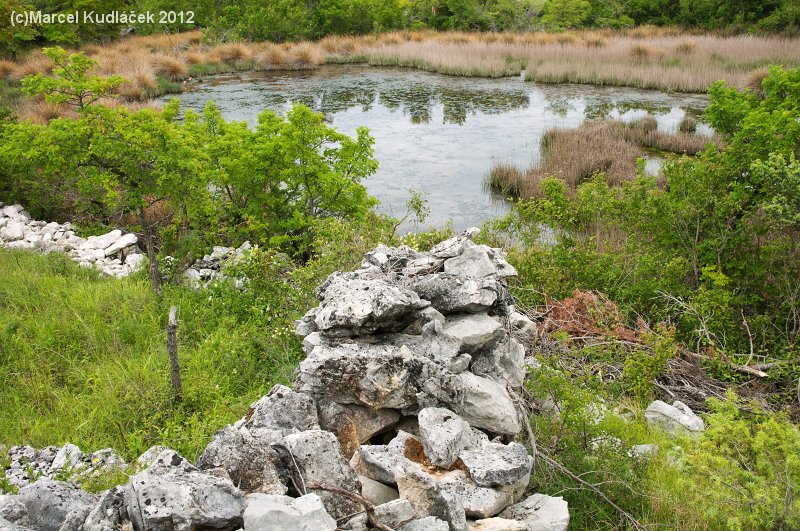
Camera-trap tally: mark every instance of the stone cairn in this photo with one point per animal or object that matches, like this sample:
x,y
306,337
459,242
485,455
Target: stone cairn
x,y
115,254
402,417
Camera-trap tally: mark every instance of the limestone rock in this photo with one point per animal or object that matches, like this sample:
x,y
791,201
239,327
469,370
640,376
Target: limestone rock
x,y
473,261
173,495
444,435
317,456
280,412
453,294
125,241
104,241
498,524
487,405
377,376
540,513
281,513
376,492
505,360
395,513
362,306
55,505
252,464
428,497
109,514
495,464
12,509
353,424
429,523
473,332
675,418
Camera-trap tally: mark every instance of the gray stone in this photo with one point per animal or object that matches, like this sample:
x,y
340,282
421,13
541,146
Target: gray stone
x,y
497,464
473,332
149,456
376,492
379,462
505,360
677,418
352,307
643,450
281,513
443,434
487,405
429,523
104,241
522,326
252,464
540,513
498,524
428,497
281,412
473,261
67,459
460,363
377,376
173,495
395,513
453,294
316,455
125,241
55,505
353,424
5,525
109,513
12,509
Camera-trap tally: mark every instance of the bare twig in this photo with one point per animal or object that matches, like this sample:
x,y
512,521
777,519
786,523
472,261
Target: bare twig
x,y
369,508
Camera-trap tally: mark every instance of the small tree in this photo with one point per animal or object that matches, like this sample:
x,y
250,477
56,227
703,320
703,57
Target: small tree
x,y
71,82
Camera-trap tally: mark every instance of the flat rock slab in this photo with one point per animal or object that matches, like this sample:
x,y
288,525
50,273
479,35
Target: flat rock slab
x,y
540,513
281,513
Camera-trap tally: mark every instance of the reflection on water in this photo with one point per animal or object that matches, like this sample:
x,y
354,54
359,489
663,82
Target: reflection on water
x,y
437,133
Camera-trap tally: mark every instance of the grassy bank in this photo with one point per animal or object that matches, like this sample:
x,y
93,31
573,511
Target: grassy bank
x,y
654,58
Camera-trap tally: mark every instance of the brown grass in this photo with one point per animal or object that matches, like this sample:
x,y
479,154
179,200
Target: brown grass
x,y
39,111
172,67
306,56
575,155
7,69
272,57
687,125
234,51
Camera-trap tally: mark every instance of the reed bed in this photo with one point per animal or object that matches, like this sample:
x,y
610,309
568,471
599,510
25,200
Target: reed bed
x,y
645,57
650,59
575,155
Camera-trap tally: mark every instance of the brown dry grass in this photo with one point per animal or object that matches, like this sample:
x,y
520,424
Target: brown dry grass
x,y
575,155
306,56
41,112
234,51
7,69
172,67
656,58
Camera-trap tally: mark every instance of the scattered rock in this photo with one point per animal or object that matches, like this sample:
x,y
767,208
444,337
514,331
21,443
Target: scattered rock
x,y
174,495
675,418
540,513
444,435
55,505
487,405
428,497
316,455
267,512
495,464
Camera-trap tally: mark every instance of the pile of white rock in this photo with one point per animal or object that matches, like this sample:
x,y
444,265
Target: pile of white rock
x,y
115,254
402,416
210,267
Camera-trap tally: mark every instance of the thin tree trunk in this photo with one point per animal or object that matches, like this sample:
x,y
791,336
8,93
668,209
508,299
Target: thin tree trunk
x,y
172,348
150,246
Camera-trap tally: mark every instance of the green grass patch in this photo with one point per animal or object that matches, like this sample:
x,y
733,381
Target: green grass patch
x,y
10,94
83,359
164,86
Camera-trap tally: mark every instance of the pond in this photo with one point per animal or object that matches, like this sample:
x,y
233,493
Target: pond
x,y
434,133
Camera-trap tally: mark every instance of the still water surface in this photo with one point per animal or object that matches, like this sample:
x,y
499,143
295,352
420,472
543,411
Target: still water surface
x,y
436,133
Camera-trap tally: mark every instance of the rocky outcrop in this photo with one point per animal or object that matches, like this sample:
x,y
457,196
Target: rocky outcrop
x,y
114,253
405,401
